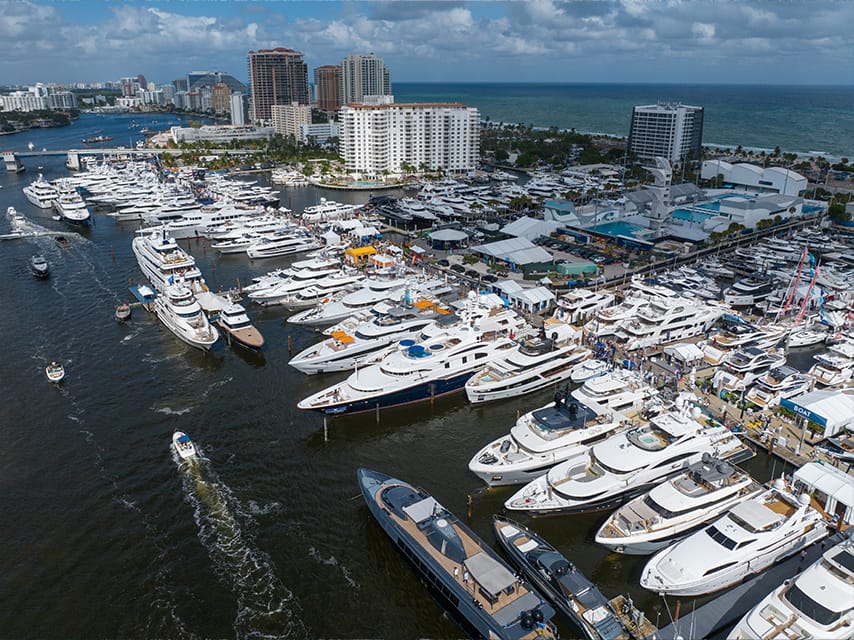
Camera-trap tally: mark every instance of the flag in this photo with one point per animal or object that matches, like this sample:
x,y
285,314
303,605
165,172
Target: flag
x,y
171,280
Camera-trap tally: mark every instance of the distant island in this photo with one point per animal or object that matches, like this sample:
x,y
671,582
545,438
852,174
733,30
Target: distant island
x,y
15,121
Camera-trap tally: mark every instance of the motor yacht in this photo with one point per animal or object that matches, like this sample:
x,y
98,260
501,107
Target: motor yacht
x,y
750,537
163,262
237,326
268,288
179,310
619,390
661,321
422,371
535,363
588,369
739,369
471,581
776,384
328,210
568,589
807,336
543,438
627,464
41,193
607,321
282,244
578,305
322,289
836,366
746,292
55,372
673,509
184,447
39,266
70,206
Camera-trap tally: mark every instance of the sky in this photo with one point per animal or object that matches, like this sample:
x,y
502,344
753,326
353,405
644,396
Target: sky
x,y
790,42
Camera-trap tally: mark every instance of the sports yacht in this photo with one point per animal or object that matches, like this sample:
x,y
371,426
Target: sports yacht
x,y
739,369
661,321
807,336
750,537
55,372
39,266
41,193
748,291
815,604
179,310
70,206
184,447
465,574
836,365
422,371
163,261
237,326
627,464
776,384
543,438
569,590
620,390
282,244
673,509
535,363
588,369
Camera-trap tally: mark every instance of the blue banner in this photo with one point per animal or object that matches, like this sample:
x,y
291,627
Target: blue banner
x,y
798,410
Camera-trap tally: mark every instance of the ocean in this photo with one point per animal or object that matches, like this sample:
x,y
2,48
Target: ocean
x,y
808,120
107,535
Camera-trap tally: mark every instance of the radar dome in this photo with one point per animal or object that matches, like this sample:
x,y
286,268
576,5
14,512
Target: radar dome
x,y
804,499
696,412
780,484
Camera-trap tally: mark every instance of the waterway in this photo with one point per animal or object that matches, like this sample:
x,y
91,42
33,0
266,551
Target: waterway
x,y
107,535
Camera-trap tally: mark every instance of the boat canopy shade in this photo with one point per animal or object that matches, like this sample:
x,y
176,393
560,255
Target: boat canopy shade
x,y
361,251
490,574
423,304
420,511
184,438
756,514
833,410
684,351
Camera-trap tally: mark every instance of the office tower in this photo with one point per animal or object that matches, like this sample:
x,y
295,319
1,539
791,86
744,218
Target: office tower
x,y
327,87
276,76
363,75
667,130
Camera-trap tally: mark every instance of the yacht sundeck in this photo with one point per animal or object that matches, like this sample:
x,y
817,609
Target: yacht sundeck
x,y
776,384
41,193
179,310
237,326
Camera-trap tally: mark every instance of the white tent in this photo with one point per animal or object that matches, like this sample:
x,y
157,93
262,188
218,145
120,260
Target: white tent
x,y
833,410
835,486
685,352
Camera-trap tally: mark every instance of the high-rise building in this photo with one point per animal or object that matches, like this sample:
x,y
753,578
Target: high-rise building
x,y
288,117
363,75
327,87
374,139
220,98
666,130
276,76
238,108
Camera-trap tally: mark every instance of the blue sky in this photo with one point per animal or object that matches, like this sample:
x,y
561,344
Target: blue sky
x,y
655,41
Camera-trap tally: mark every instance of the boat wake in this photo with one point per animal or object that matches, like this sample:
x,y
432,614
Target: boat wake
x,y
265,607
332,561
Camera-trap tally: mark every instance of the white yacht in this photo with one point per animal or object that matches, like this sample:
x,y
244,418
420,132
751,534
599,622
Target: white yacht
x,y
817,603
661,321
836,365
672,510
627,464
328,210
588,369
322,289
535,363
739,369
282,244
749,538
620,390
748,291
422,371
607,321
234,321
179,310
776,384
807,336
184,447
41,193
163,262
236,245
543,438
344,349
70,206
305,271
344,305
578,305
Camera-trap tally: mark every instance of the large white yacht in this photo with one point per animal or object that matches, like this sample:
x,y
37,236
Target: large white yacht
x,y
748,291
535,363
776,384
163,261
836,365
739,369
750,537
578,305
542,438
328,210
272,287
179,310
424,370
41,193
70,205
673,509
817,603
619,390
607,321
661,321
322,289
627,464
344,349
283,243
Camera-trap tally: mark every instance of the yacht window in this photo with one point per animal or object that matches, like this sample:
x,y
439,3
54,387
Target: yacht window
x,y
673,459
720,538
720,568
810,608
744,543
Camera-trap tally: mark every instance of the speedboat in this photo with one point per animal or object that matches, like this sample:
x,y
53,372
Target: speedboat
x,y
587,369
751,536
543,438
237,326
673,509
123,312
179,310
535,363
568,589
184,447
815,604
627,464
473,583
776,384
55,372
620,390
39,266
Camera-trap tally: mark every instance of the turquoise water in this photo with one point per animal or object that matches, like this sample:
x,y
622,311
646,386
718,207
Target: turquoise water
x,y
364,183
619,228
711,206
693,216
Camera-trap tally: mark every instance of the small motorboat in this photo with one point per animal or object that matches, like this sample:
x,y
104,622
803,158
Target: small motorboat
x,y
39,266
55,372
123,312
183,445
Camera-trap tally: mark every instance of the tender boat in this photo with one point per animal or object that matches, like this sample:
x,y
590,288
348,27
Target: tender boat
x,y
587,369
467,577
578,599
55,372
237,326
179,310
627,464
123,312
39,266
184,447
817,603
673,509
750,537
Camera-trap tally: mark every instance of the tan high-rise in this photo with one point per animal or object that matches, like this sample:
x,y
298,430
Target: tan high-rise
x,y
276,76
327,87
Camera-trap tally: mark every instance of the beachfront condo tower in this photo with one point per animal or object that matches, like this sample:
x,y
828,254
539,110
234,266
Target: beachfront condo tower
x,y
363,75
327,87
666,130
276,76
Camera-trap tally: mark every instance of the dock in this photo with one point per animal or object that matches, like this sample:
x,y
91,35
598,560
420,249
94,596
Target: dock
x,y
727,609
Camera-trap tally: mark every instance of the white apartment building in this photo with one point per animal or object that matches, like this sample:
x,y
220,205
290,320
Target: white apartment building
x,y
666,130
375,139
238,111
318,132
38,98
287,118
220,133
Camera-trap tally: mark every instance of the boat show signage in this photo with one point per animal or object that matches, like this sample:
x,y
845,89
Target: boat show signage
x,y
802,411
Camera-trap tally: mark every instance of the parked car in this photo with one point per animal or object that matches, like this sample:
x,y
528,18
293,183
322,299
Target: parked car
x,y
489,278
471,273
444,262
458,268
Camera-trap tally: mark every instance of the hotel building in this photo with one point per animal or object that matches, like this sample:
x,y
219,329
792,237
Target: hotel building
x,y
380,138
276,76
363,75
672,131
287,118
327,87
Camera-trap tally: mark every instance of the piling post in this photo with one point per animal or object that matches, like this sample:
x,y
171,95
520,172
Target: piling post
x,y
432,393
378,412
289,344
325,431
468,506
